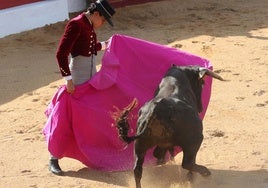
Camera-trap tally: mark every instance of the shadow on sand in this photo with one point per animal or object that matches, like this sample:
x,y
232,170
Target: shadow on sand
x,y
174,176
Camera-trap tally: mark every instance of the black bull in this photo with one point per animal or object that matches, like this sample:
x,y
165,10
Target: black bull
x,y
170,119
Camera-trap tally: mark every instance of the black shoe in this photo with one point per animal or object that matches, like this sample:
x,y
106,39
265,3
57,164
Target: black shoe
x,y
54,167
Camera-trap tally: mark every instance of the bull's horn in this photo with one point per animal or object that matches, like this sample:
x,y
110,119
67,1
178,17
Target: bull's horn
x,y
204,71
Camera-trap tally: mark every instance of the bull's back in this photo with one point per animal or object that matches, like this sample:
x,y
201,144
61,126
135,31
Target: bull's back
x,y
169,120
179,117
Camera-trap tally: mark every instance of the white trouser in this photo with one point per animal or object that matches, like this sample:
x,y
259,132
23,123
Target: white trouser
x,y
82,68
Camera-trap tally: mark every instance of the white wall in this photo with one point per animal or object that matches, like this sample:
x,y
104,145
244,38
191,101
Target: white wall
x,y
26,17
76,5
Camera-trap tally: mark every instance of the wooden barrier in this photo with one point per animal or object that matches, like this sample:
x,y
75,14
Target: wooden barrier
x,y
13,3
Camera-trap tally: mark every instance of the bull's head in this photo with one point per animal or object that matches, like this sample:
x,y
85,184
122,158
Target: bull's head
x,y
201,72
195,75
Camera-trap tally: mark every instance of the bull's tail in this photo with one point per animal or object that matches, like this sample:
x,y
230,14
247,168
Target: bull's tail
x,y
122,124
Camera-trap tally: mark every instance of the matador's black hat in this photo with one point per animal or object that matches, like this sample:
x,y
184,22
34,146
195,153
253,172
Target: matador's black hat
x,y
106,10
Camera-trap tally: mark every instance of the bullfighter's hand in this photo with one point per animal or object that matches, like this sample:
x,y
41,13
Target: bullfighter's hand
x,y
70,86
107,43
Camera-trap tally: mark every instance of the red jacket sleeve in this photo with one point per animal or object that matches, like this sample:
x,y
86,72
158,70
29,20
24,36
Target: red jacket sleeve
x,y
68,39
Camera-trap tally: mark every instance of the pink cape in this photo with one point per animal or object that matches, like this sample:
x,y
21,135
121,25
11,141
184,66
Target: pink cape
x,y
80,126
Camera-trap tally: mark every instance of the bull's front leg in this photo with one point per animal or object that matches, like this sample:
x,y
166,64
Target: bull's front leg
x,y
189,158
188,163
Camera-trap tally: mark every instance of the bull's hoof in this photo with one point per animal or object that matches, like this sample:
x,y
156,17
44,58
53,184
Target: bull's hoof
x,y
160,162
205,173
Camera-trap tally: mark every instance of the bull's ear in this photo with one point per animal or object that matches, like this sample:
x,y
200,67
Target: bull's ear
x,y
202,72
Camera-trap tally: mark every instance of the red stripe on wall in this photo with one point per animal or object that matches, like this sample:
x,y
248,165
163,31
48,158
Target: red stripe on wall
x,y
121,3
13,3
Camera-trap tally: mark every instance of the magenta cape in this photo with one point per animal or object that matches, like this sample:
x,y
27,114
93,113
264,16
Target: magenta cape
x,y
80,126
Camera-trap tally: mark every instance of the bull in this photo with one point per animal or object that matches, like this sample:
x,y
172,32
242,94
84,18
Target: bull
x,y
170,119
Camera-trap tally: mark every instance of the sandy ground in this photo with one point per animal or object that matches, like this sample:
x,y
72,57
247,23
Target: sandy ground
x,y
232,34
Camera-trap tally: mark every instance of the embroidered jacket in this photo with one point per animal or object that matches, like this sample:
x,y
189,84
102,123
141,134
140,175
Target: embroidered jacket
x,y
79,38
